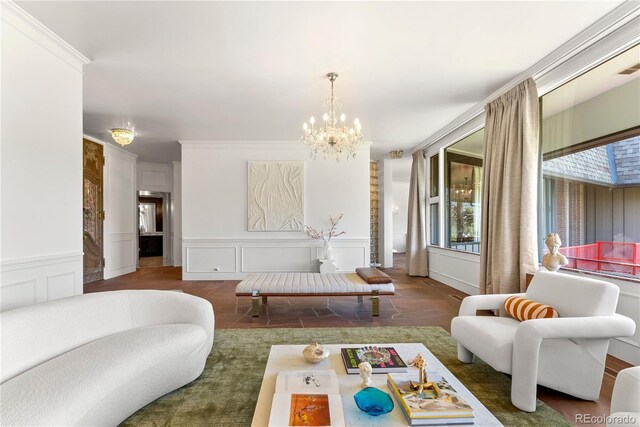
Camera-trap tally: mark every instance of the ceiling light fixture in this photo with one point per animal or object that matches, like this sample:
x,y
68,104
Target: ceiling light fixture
x,y
396,154
122,136
332,138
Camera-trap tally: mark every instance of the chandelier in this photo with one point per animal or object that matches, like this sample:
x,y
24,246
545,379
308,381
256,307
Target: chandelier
x,y
331,137
462,192
122,136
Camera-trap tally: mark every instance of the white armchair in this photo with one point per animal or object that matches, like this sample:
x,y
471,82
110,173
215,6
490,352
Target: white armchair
x,y
566,353
625,401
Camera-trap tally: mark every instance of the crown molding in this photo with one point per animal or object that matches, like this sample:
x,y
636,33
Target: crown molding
x,y
18,18
623,18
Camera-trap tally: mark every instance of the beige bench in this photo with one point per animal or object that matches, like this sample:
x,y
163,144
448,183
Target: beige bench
x,y
262,285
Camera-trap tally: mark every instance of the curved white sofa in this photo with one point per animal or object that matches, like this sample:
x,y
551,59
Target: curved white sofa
x,y
95,359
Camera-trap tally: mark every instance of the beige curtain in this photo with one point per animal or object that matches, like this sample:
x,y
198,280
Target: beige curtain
x,y
417,221
509,247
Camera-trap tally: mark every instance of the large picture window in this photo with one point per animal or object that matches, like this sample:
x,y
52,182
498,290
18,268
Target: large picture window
x,y
591,168
463,177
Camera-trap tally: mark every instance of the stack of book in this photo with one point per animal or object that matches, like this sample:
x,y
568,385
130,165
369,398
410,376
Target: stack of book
x,y
436,405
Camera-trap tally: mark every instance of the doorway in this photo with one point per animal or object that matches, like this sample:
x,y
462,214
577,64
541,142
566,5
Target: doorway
x,y
154,233
92,211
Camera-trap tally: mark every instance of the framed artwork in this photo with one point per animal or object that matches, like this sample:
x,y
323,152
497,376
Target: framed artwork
x,y
275,195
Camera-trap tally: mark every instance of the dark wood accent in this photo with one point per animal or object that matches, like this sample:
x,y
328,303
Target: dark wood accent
x,y
418,301
93,211
150,246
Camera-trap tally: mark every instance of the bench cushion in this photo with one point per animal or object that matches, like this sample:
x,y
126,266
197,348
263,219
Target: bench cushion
x,y
373,275
309,284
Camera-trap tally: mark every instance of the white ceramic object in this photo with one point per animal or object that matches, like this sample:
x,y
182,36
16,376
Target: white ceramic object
x,y
315,353
327,250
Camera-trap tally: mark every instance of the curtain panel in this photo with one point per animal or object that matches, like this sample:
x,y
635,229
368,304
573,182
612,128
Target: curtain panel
x,y
509,236
417,220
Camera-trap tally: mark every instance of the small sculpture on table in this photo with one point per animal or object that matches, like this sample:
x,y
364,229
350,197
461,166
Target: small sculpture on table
x,y
423,380
365,373
554,259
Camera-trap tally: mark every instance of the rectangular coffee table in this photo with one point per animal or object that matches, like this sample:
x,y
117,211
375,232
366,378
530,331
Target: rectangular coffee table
x,y
289,357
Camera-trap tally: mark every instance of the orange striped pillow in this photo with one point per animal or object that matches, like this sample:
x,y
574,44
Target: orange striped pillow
x,y
525,309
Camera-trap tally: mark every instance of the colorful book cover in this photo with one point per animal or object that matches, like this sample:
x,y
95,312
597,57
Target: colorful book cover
x,y
309,410
351,361
441,401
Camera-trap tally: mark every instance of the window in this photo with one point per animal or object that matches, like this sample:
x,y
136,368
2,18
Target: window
x,y
591,168
434,200
463,184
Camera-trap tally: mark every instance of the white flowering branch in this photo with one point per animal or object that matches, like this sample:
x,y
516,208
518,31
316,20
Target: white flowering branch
x,y
321,234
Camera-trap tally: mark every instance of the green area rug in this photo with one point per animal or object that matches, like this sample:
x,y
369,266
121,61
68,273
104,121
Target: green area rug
x,y
227,391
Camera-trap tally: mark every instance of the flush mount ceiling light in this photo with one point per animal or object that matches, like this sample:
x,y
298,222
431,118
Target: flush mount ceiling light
x,y
331,137
396,154
122,136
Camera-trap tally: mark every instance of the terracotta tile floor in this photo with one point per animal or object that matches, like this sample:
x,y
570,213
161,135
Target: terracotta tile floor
x,y
418,302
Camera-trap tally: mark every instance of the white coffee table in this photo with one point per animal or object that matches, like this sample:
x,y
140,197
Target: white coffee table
x,y
289,357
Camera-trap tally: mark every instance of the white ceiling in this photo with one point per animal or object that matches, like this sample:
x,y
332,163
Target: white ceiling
x,y
255,70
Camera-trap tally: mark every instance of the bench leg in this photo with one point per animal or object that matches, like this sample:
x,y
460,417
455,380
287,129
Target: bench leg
x,y
375,303
360,299
255,303
264,299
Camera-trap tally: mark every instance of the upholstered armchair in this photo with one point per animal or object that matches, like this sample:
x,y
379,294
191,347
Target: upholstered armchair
x,y
625,401
565,353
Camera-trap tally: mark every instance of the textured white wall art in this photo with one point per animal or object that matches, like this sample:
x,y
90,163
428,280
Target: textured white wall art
x,y
275,196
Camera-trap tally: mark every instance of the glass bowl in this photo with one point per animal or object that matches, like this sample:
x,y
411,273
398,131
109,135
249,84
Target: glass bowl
x,y
373,401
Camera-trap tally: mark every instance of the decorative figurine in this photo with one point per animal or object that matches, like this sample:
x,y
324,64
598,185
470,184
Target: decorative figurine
x,y
365,373
423,382
554,259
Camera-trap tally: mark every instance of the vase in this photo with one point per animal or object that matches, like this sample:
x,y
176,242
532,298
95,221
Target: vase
x,y
327,251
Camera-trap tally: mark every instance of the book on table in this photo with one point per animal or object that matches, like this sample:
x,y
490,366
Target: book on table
x,y
307,398
438,404
351,360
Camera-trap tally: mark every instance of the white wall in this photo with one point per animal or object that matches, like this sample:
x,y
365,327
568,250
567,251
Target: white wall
x,y
385,212
401,202
176,217
155,177
121,208
40,162
214,210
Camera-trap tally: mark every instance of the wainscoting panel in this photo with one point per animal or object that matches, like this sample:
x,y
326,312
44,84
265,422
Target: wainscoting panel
x,y
236,258
457,269
17,295
60,285
34,280
276,258
351,257
205,260
122,256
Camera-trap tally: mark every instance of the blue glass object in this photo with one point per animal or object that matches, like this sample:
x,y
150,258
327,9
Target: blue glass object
x,y
373,401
